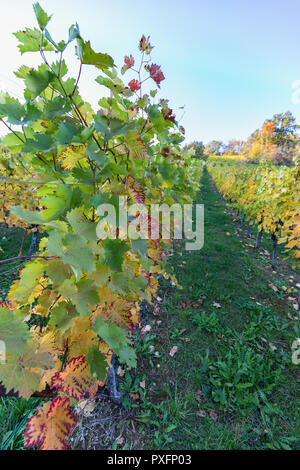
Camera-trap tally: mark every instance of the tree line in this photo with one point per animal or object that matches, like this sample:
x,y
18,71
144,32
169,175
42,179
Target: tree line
x,y
276,140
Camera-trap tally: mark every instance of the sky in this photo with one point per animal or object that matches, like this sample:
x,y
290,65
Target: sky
x,y
231,63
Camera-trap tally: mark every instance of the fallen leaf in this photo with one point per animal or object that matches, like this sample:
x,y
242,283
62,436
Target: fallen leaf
x,y
120,372
213,415
86,407
174,350
146,329
199,396
274,288
143,384
217,305
134,396
201,414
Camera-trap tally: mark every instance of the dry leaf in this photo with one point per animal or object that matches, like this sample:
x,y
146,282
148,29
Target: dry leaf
x,y
134,396
86,407
146,329
173,351
213,415
143,384
120,372
199,396
217,305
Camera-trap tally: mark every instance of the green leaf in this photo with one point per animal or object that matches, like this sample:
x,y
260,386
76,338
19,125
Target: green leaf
x,y
73,250
31,273
57,271
114,253
14,111
97,155
13,331
62,316
97,362
100,276
90,57
13,141
17,374
57,107
40,143
119,283
67,133
32,40
81,225
116,339
41,16
37,81
22,71
14,376
32,217
140,246
83,295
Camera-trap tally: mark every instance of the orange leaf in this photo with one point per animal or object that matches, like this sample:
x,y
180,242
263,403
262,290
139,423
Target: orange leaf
x,y
75,379
51,425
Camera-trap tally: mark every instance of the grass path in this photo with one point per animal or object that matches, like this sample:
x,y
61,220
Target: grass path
x,y
231,384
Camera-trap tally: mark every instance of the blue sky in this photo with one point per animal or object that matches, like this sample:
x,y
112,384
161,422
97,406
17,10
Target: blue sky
x,y
231,63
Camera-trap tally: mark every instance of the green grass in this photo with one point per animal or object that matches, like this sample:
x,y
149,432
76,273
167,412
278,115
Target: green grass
x,y
12,411
231,384
10,243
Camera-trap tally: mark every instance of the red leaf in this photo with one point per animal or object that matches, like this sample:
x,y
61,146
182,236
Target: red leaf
x,y
134,85
51,425
155,73
128,63
145,45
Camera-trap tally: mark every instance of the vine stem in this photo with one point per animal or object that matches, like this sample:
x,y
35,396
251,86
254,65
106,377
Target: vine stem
x,y
21,257
23,240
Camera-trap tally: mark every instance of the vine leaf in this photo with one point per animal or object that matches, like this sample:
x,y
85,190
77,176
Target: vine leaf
x,y
135,145
31,40
71,156
50,427
116,339
135,189
41,16
74,380
97,362
18,372
13,331
90,57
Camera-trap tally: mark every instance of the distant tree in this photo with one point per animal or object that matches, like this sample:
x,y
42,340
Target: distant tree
x,y
285,131
199,149
277,140
234,147
215,147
